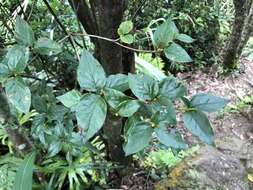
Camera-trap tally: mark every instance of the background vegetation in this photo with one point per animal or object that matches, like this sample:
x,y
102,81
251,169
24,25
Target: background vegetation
x,y
88,91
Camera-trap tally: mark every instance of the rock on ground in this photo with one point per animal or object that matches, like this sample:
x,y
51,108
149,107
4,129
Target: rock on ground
x,y
208,169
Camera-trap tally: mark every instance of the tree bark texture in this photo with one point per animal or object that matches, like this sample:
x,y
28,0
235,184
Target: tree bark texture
x,y
240,33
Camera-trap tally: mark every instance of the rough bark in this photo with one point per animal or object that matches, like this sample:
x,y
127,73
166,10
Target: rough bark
x,y
240,33
103,17
248,29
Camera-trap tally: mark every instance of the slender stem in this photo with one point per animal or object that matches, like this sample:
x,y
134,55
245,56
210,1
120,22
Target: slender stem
x,y
115,41
71,40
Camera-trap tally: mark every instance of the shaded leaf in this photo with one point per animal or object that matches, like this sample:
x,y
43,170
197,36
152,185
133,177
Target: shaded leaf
x,y
128,38
169,139
23,32
70,99
171,88
186,101
23,179
39,104
143,86
54,148
130,122
128,108
207,102
17,58
118,82
165,34
125,27
138,138
114,97
90,74
4,72
184,38
176,53
18,94
164,111
198,124
91,114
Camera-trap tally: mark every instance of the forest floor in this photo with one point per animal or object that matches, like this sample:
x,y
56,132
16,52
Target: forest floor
x,y
235,87
233,128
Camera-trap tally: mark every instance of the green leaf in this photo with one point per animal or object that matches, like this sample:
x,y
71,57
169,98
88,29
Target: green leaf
x,y
17,58
186,101
170,139
70,99
121,104
118,82
130,122
138,137
90,74
54,148
4,72
91,114
24,175
128,108
39,104
128,38
18,94
125,27
165,34
207,102
171,88
176,53
114,97
23,33
184,38
164,110
198,124
143,86
45,46
149,69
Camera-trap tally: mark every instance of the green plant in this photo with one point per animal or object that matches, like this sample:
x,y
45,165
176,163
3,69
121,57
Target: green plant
x,y
152,111
8,168
202,24
161,160
66,120
238,107
165,159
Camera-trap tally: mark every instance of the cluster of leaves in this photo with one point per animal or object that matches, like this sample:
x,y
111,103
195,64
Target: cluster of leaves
x,y
160,161
164,38
149,112
8,168
202,24
15,62
200,20
124,32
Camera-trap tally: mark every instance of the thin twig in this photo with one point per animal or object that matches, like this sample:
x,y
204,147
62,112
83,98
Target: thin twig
x,y
35,78
62,27
30,14
115,41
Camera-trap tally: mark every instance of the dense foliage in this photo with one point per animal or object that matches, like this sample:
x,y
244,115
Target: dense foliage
x,y
81,100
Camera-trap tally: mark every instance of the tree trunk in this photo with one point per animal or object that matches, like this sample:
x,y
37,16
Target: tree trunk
x,y
240,35
248,29
103,17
